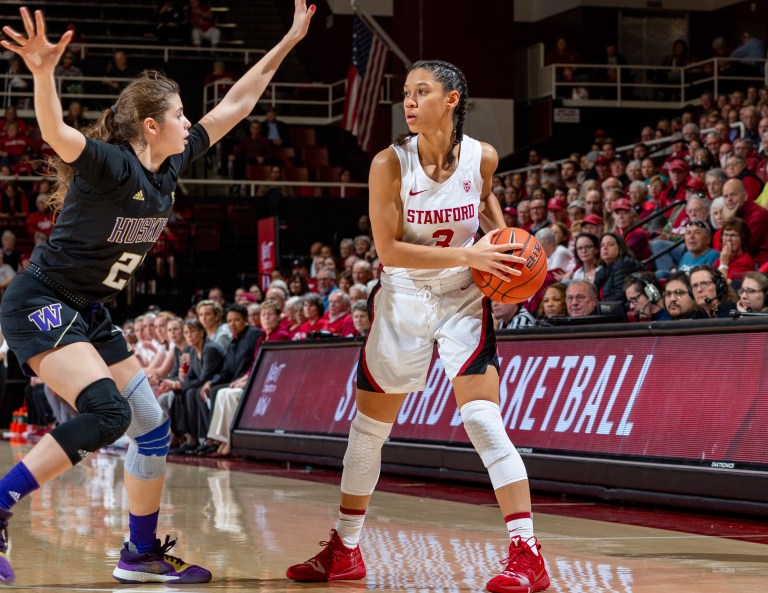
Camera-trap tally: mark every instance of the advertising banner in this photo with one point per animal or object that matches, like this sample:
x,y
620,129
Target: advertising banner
x,y
697,399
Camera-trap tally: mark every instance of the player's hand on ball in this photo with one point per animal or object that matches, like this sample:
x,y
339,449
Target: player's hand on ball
x,y
495,259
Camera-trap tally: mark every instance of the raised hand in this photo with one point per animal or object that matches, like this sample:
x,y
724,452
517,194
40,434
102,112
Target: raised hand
x,y
301,17
39,54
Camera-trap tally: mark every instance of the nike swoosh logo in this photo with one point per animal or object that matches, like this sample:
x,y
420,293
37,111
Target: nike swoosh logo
x,y
466,287
314,563
416,193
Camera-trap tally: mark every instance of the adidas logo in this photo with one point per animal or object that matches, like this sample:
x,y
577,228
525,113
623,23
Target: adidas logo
x,y
139,195
83,454
14,495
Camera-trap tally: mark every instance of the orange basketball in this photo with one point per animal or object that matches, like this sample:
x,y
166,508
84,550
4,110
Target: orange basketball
x,y
517,288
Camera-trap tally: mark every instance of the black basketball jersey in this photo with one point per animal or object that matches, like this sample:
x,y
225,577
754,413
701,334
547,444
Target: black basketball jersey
x,y
113,214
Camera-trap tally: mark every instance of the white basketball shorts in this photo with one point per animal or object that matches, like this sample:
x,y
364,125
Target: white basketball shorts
x,y
409,317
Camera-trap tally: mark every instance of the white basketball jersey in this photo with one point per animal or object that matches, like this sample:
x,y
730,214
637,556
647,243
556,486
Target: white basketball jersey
x,y
439,214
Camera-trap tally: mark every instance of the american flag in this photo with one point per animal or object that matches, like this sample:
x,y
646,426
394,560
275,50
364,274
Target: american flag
x,y
363,81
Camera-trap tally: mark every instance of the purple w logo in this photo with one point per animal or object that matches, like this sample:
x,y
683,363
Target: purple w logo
x,y
47,317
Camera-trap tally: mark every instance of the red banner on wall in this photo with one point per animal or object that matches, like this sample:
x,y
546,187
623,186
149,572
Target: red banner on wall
x,y
267,246
697,398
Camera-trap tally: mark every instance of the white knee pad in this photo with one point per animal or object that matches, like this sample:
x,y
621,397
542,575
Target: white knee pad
x,y
362,461
150,430
483,423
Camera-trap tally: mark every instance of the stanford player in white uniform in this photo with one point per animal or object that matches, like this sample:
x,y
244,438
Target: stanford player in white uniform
x,y
429,194
426,302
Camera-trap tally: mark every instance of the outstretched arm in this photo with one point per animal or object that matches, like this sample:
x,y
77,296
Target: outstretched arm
x,y
41,58
240,100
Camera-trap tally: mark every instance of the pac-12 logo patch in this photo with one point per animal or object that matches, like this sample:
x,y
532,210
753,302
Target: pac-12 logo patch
x,y
46,318
467,185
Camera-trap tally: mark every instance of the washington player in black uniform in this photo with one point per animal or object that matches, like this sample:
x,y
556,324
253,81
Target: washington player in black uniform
x,y
115,191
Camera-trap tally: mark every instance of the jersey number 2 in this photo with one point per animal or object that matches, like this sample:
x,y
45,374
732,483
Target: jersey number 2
x,y
446,234
127,263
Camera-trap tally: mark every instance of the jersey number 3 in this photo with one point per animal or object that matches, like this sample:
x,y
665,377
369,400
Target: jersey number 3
x,y
127,263
446,234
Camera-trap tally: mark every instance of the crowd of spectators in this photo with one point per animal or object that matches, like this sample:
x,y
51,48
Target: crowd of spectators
x,y
199,365
670,231
618,226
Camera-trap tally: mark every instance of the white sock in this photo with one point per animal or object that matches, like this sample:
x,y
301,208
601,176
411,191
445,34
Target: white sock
x,y
521,525
349,526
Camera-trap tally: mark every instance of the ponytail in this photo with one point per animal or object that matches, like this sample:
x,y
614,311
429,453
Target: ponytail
x,y
149,95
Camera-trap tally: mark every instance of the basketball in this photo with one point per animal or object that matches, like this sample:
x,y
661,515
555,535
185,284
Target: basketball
x,y
517,288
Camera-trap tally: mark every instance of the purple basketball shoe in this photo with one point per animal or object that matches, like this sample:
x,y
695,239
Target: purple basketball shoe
x,y
156,566
7,575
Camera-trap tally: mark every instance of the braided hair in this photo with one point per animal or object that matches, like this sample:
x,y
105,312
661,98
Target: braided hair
x,y
452,79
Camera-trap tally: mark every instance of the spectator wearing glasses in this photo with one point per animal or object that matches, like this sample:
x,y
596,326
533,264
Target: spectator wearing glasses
x,y
734,261
714,298
586,250
755,217
580,298
643,294
697,249
752,294
696,208
677,297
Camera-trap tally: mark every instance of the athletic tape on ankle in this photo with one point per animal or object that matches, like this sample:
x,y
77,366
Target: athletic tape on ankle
x,y
362,460
485,428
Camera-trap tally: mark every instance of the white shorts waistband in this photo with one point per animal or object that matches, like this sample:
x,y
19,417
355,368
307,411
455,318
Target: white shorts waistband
x,y
434,285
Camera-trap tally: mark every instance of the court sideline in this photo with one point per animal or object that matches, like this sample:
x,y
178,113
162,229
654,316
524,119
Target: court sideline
x,y
248,526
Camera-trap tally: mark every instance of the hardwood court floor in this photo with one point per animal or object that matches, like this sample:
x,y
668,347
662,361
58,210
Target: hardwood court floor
x,y
248,526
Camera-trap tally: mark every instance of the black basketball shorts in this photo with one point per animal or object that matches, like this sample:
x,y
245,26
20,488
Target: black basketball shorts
x,y
35,319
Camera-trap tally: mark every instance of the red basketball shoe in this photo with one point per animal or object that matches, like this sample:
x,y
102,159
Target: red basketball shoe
x,y
524,572
335,562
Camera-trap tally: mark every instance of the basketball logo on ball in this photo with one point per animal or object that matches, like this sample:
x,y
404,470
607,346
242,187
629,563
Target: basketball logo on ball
x,y
515,289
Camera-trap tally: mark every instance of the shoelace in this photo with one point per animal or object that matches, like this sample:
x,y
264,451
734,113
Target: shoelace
x,y
523,555
335,552
163,550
